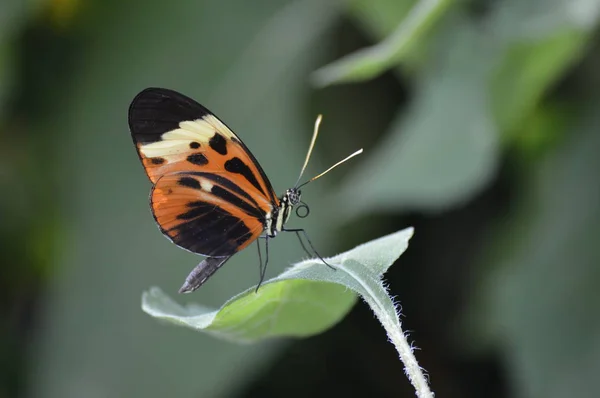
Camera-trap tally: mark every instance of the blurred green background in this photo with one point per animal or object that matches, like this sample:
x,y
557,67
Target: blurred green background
x,y
481,127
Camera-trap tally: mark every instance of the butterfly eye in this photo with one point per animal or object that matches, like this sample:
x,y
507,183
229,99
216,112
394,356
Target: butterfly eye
x,y
302,211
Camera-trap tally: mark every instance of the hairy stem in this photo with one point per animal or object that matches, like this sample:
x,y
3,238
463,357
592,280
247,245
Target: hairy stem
x,y
376,296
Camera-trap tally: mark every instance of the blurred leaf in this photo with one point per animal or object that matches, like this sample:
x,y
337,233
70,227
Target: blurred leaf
x,y
379,17
540,297
540,39
543,129
371,62
531,65
304,300
534,20
445,147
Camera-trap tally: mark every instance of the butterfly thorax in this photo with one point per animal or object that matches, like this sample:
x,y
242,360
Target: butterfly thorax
x,y
281,214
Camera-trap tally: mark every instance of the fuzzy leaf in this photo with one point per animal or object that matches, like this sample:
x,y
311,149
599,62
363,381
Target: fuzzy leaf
x,y
306,299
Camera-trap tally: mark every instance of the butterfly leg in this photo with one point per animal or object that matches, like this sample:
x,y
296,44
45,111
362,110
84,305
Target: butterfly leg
x,y
262,268
297,231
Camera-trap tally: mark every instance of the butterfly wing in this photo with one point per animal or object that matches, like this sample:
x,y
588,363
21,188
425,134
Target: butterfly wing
x,y
210,195
206,213
174,133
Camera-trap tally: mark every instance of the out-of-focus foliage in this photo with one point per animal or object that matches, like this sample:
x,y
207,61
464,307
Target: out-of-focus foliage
x,y
483,77
373,61
454,102
542,294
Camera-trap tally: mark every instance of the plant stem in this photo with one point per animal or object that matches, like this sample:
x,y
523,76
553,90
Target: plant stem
x,y
393,328
373,291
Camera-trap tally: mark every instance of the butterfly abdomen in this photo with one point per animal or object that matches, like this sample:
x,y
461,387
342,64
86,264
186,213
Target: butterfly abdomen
x,y
282,213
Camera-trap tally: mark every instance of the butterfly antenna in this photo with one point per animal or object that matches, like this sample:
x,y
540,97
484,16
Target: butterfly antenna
x,y
310,148
332,167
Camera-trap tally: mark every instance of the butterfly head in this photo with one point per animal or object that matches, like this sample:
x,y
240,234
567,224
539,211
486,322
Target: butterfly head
x,y
293,199
293,196
282,214
290,198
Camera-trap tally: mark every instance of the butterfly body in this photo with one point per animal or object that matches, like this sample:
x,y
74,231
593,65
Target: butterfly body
x,y
282,214
210,195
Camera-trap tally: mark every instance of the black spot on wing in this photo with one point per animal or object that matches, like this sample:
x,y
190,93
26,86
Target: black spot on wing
x,y
157,160
218,143
197,159
235,165
271,194
194,145
189,182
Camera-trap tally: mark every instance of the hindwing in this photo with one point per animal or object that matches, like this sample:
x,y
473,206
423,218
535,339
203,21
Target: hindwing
x,y
206,213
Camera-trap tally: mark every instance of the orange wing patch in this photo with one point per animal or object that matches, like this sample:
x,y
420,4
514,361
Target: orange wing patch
x,y
204,214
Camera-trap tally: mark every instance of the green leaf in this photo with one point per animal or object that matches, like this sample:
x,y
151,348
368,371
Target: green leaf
x,y
379,18
529,68
306,299
537,19
543,129
372,61
444,148
295,308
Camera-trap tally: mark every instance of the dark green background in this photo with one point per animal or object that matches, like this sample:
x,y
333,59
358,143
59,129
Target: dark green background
x,y
483,133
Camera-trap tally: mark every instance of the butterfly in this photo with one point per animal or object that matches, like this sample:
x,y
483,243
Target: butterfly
x,y
210,195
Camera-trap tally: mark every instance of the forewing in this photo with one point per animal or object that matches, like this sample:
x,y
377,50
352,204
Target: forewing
x,y
206,213
173,133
